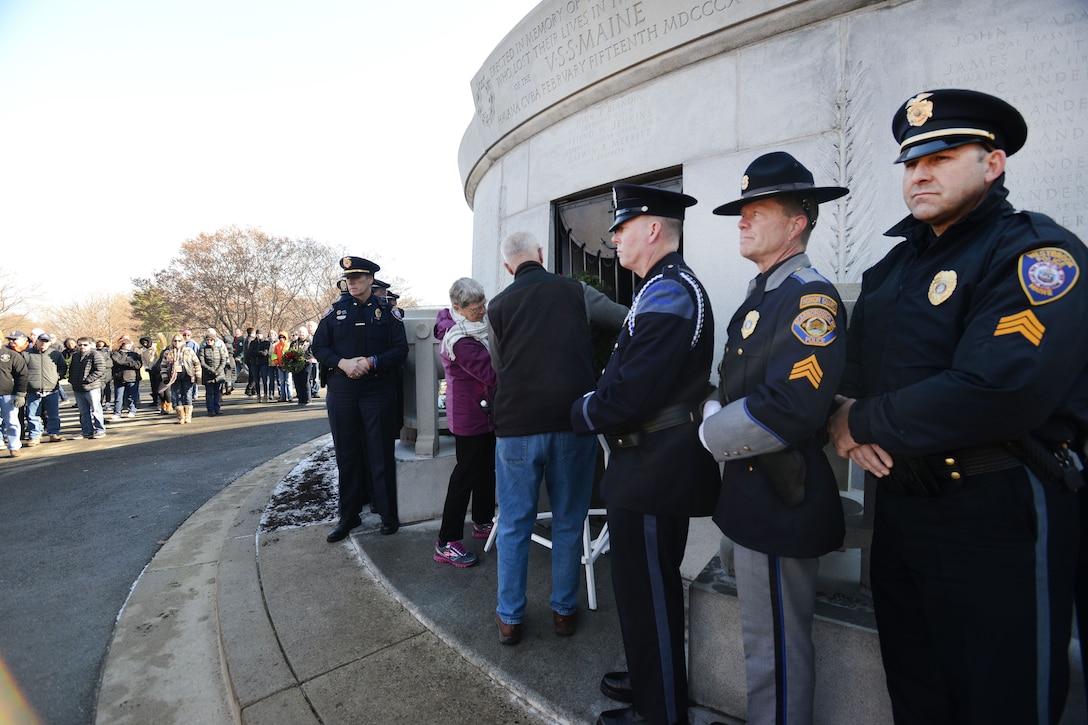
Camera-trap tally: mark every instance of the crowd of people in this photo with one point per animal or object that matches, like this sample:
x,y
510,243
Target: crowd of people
x,y
106,382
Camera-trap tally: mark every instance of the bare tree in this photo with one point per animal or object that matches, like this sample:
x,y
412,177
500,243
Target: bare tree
x,y
13,300
104,315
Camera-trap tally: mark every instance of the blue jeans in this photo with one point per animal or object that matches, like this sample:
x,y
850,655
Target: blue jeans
x,y
182,391
126,395
520,463
35,403
9,417
213,396
90,413
283,378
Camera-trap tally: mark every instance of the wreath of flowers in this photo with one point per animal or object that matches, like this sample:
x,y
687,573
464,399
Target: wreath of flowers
x,y
293,361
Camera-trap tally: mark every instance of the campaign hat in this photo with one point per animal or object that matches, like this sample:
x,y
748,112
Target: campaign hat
x,y
778,174
357,265
632,200
942,119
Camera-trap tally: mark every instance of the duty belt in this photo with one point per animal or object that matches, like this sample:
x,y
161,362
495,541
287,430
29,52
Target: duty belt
x,y
669,417
936,474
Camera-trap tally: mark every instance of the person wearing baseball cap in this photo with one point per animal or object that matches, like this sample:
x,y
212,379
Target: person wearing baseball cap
x,y
13,381
780,370
46,367
964,402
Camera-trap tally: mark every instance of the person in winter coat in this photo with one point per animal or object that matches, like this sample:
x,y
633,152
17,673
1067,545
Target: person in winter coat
x,y
470,391
12,390
126,378
181,371
45,369
214,357
283,387
257,361
301,378
87,373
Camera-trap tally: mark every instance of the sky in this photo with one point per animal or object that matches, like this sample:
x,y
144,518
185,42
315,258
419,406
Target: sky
x,y
129,126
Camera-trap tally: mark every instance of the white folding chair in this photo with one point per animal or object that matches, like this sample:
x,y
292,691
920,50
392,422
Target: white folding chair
x,y
592,548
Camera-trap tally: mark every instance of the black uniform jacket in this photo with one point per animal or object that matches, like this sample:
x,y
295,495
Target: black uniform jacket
x,y
361,329
779,373
662,359
974,337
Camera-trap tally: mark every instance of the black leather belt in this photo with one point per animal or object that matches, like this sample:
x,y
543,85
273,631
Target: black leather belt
x,y
936,474
669,417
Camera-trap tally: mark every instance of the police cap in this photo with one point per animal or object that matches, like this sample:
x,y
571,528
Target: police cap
x,y
632,200
379,284
357,265
943,119
778,174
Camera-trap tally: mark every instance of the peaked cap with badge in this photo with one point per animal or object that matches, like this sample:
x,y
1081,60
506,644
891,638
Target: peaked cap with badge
x,y
357,265
632,200
778,174
943,119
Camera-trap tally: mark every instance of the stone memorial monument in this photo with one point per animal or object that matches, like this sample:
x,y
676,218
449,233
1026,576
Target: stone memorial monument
x,y
684,94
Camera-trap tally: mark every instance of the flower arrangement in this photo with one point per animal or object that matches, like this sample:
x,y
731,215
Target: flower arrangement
x,y
294,361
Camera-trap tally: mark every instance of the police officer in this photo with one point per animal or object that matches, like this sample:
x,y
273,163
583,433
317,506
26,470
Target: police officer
x,y
780,370
360,345
965,358
658,475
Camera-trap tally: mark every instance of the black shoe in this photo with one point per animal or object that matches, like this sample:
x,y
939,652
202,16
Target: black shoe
x,y
342,529
617,686
622,716
390,526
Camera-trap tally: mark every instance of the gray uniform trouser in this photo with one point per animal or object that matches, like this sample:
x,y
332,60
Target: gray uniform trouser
x,y
777,601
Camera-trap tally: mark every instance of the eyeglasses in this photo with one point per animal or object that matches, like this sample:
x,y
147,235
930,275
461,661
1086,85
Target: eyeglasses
x,y
282,337
178,339
209,337
186,334
84,344
476,309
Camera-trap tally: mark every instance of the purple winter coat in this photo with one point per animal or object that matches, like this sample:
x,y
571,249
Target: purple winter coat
x,y
469,379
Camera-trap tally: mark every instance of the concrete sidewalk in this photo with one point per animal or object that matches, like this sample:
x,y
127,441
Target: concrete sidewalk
x,y
229,625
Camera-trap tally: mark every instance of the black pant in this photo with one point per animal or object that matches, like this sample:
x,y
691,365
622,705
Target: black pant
x,y
973,598
362,419
302,386
474,475
646,553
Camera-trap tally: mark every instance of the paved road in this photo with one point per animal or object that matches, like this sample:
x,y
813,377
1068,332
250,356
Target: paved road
x,y
81,519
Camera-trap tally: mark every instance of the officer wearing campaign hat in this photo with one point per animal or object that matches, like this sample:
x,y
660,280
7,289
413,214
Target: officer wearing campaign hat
x,y
964,403
360,347
646,405
780,369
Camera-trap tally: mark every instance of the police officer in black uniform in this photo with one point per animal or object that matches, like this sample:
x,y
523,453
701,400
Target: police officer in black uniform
x,y
780,371
966,358
360,345
658,475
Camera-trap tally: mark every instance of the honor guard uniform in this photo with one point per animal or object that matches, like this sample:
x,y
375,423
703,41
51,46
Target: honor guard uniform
x,y
964,401
647,406
779,501
360,346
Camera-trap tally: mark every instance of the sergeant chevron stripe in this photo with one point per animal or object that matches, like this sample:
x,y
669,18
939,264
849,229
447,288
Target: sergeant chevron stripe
x,y
809,369
1026,323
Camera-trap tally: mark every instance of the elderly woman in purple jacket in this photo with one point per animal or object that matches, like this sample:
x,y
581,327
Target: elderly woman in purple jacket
x,y
470,388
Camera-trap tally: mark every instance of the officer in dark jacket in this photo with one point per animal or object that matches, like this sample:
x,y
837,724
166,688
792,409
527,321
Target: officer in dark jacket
x,y
646,403
966,353
780,371
361,345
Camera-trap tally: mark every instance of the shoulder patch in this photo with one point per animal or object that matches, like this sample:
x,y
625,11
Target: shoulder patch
x,y
805,275
326,313
1046,274
815,326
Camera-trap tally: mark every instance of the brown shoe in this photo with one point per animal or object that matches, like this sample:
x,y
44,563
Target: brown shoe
x,y
55,439
508,633
15,452
565,624
33,442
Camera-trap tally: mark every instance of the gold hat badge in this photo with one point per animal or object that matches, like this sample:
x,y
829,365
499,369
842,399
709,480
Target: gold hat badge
x,y
919,110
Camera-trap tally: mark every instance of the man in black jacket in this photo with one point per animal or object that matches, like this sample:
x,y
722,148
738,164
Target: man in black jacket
x,y
541,351
87,373
13,380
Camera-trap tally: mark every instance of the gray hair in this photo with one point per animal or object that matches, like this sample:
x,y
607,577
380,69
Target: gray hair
x,y
466,291
518,246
